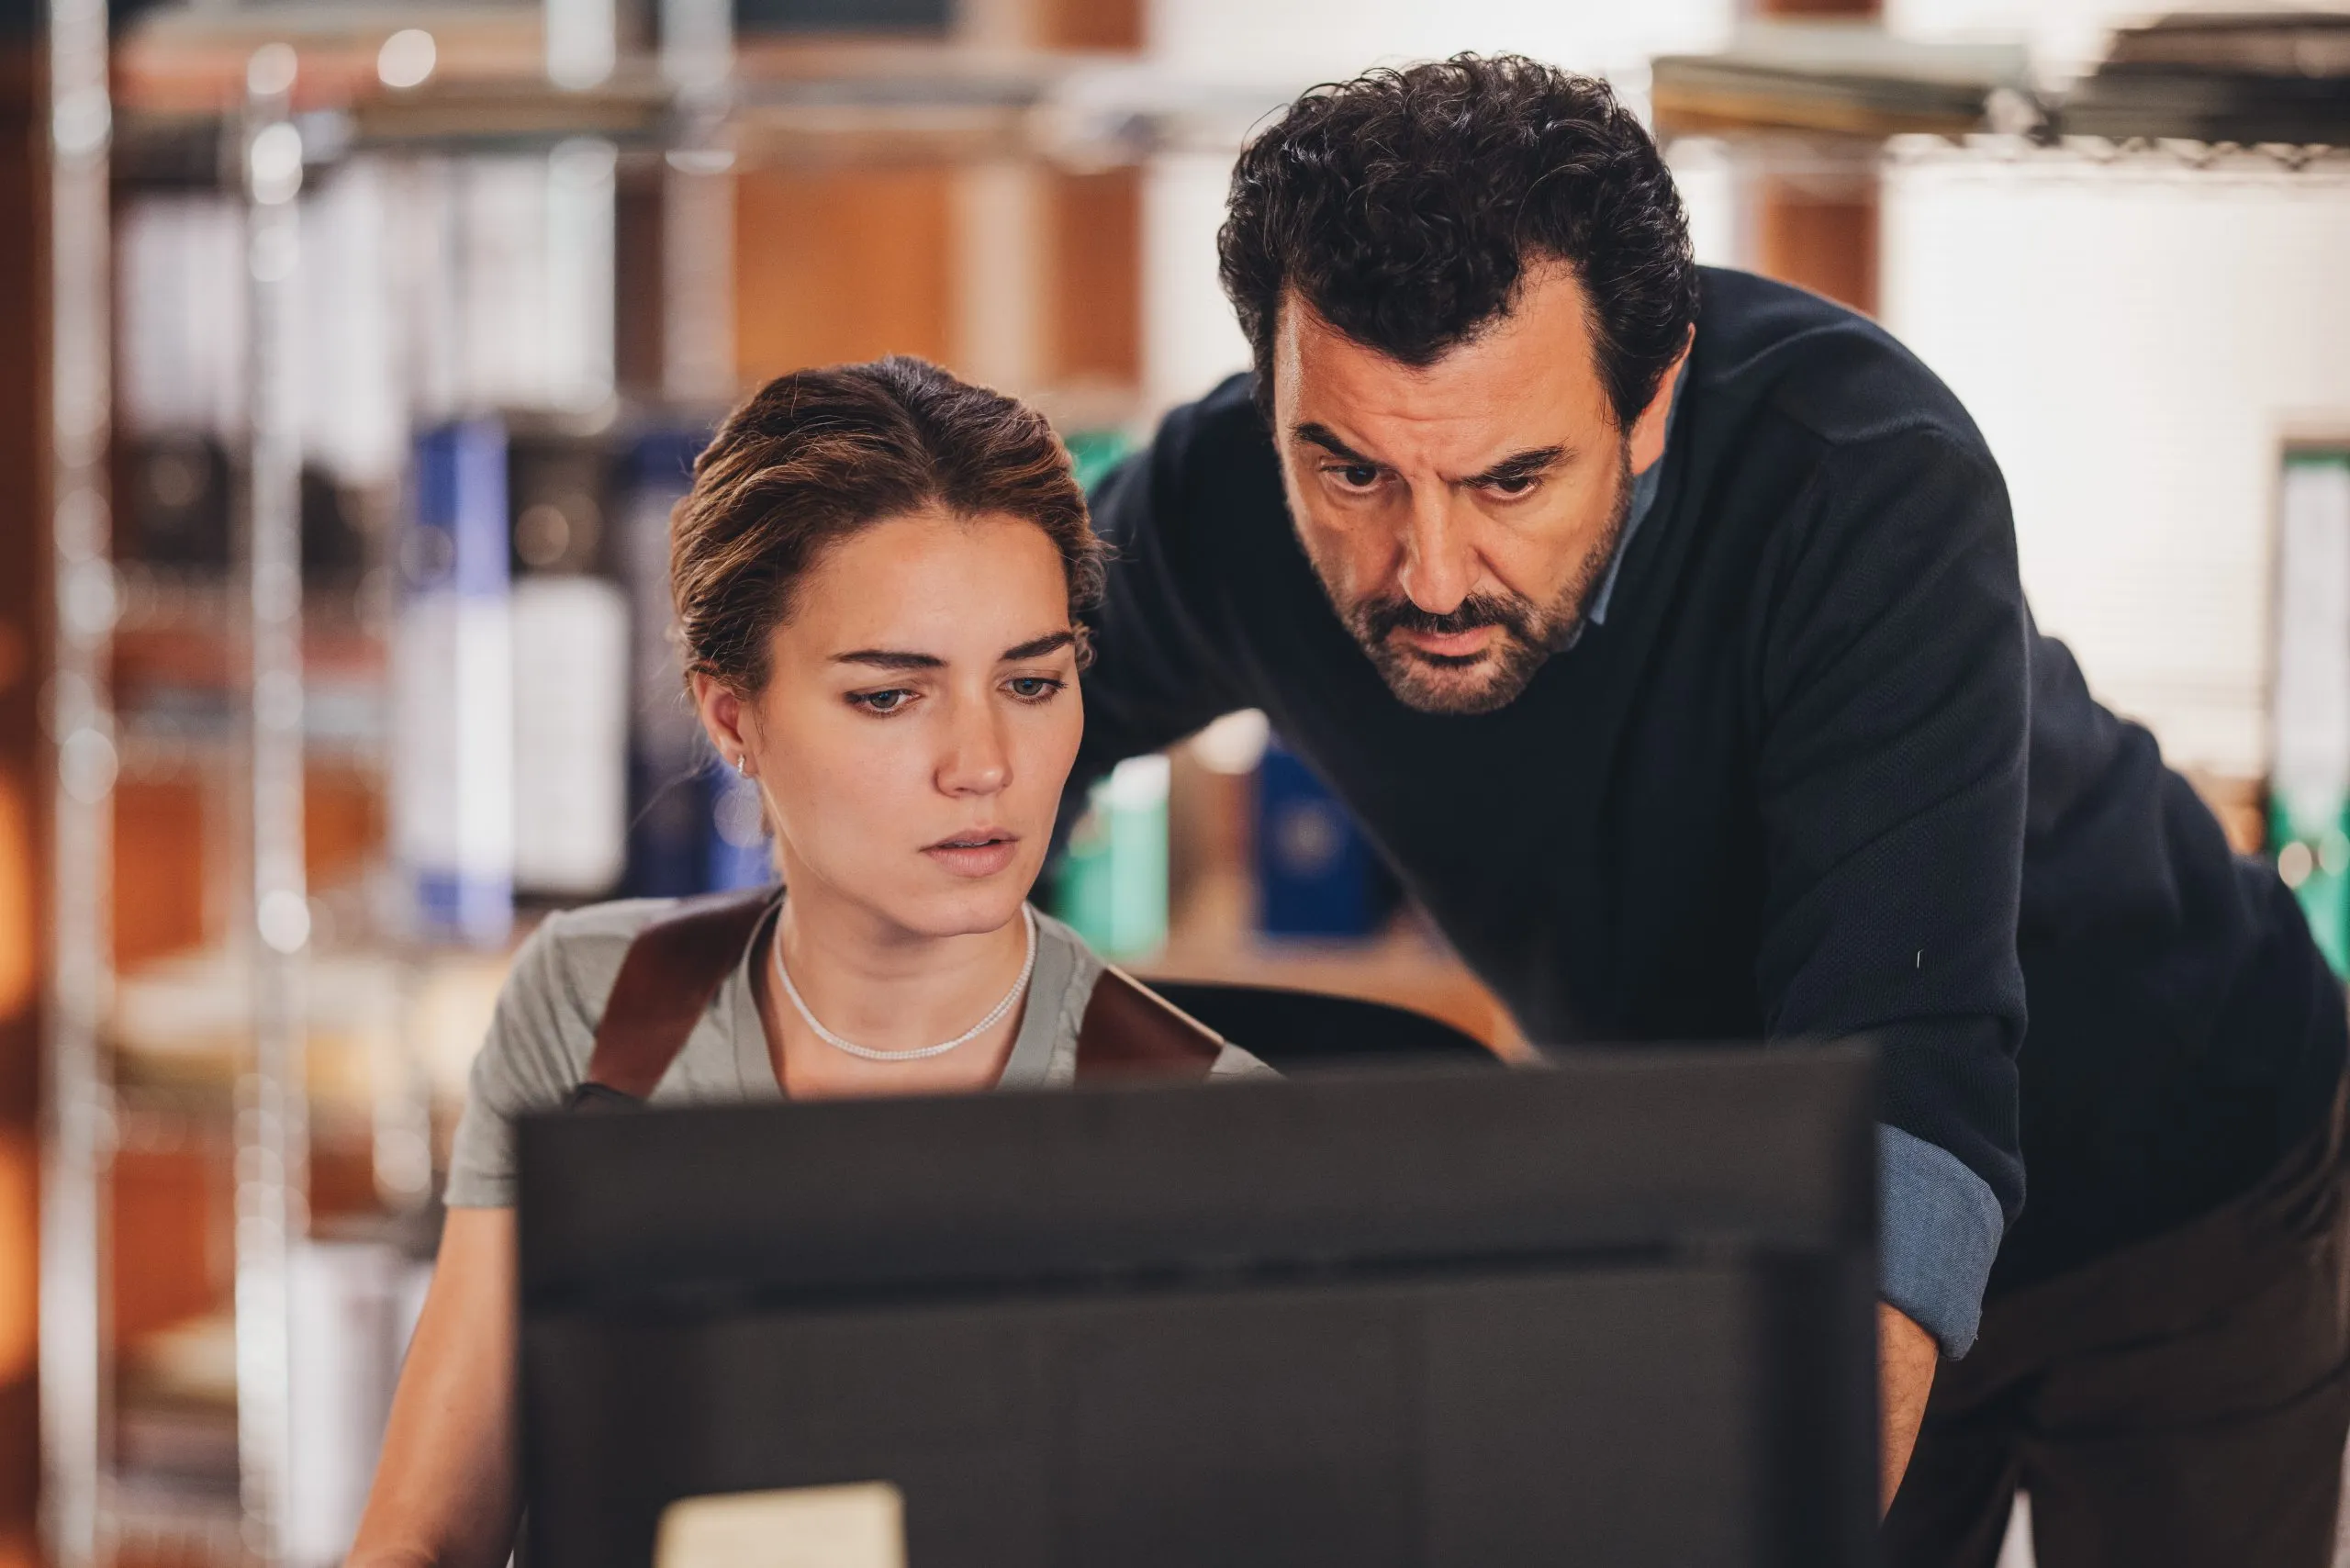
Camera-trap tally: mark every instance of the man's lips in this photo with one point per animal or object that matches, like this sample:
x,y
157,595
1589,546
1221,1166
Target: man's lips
x,y
981,853
1449,645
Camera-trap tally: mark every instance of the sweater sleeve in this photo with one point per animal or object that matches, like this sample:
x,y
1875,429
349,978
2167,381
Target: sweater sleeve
x,y
1157,673
1892,722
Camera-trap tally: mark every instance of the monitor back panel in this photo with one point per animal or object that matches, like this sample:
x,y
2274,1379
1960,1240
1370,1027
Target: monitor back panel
x,y
1618,1313
1652,1412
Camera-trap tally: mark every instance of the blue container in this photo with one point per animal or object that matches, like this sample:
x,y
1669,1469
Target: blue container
x,y
453,787
1317,874
675,788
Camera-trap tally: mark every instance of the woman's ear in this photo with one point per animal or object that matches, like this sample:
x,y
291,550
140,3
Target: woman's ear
x,y
724,716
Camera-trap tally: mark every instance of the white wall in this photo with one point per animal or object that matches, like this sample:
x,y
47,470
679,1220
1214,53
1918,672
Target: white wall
x,y
2135,341
1191,341
1710,193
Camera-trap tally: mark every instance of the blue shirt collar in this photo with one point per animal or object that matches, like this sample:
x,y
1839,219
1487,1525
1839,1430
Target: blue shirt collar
x,y
1645,486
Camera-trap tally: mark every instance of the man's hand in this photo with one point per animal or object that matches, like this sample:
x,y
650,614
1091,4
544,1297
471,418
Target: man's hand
x,y
1905,1360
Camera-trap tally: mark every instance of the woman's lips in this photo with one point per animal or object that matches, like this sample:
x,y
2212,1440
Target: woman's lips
x,y
975,854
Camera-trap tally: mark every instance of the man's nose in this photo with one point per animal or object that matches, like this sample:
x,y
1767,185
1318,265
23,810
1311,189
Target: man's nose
x,y
1439,564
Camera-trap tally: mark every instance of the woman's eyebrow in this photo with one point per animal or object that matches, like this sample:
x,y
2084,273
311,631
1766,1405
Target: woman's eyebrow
x,y
1037,647
889,658
894,658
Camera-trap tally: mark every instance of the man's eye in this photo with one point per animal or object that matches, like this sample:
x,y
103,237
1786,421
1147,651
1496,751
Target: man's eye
x,y
1512,484
1356,475
1033,687
888,701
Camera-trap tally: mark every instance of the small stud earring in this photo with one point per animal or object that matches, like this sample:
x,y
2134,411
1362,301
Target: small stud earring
x,y
742,764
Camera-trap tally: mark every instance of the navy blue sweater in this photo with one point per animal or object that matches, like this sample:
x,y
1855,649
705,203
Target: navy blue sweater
x,y
1815,775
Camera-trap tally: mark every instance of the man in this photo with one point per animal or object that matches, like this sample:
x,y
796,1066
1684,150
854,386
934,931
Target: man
x,y
1662,625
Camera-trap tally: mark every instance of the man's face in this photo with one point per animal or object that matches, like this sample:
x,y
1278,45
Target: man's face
x,y
1462,515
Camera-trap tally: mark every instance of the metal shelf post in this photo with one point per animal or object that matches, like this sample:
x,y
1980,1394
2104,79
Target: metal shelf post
x,y
77,1142
271,1137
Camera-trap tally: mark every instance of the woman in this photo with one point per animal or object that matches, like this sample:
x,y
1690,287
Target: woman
x,y
875,577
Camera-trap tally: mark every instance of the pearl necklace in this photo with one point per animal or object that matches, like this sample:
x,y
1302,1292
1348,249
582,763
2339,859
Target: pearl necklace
x,y
867,1053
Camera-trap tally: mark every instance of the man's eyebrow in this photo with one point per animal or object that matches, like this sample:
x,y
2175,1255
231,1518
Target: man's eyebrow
x,y
891,658
1037,647
1519,466
1323,437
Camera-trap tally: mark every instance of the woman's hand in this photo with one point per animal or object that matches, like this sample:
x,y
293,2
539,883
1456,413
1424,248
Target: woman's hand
x,y
444,1492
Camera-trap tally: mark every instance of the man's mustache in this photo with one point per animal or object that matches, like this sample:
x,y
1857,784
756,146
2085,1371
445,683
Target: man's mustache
x,y
1384,618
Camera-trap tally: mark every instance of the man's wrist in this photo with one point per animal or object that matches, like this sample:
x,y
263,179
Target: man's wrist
x,y
1907,1357
1940,1227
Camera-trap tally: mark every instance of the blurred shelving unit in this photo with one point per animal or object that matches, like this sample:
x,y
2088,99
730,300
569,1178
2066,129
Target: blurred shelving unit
x,y
254,1042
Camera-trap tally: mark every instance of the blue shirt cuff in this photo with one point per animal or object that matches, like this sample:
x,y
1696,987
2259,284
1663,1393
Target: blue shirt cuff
x,y
1939,1228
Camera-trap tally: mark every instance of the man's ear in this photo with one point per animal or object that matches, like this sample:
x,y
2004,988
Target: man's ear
x,y
1648,430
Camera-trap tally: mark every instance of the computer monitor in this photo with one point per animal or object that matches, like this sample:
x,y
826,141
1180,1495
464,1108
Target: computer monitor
x,y
1617,1310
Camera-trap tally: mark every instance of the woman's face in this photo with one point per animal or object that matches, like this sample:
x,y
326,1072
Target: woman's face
x,y
920,718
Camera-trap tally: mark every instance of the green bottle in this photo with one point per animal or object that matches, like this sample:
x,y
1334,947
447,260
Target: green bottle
x,y
2314,857
1112,889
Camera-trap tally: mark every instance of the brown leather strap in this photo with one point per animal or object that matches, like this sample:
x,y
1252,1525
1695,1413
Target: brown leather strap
x,y
677,963
672,970
1132,1032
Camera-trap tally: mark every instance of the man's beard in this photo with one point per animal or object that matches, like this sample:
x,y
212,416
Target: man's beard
x,y
1528,635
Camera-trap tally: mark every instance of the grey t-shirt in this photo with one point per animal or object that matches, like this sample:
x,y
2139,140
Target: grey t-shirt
x,y
544,1028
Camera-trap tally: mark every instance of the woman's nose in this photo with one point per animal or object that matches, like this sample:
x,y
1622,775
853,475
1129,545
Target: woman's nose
x,y
976,762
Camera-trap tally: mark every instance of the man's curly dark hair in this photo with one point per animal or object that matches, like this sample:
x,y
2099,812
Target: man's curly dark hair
x,y
1403,205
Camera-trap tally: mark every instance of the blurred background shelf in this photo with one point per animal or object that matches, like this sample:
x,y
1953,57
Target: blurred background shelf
x,y
1844,78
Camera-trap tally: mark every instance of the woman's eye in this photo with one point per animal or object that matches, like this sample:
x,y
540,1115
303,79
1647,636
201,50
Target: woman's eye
x,y
888,701
1033,687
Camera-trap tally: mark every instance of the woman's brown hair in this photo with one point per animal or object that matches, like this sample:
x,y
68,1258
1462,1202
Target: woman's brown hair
x,y
815,456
